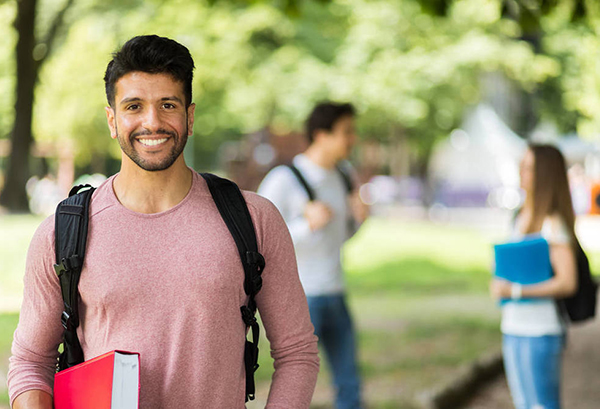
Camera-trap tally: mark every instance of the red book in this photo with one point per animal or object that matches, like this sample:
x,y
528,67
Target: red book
x,y
110,381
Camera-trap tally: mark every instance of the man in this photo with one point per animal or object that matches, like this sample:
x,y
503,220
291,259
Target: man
x,y
162,274
319,229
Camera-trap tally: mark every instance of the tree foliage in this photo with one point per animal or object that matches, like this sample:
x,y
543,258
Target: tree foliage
x,y
411,67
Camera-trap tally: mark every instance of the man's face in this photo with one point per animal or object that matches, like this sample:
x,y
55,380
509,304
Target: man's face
x,y
342,137
150,120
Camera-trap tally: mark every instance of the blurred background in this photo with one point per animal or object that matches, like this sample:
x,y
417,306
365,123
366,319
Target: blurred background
x,y
448,94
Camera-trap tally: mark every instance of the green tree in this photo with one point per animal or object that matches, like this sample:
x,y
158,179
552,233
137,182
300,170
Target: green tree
x,y
39,32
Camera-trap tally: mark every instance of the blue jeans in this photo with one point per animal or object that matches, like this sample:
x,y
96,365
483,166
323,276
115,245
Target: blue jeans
x,y
333,326
532,366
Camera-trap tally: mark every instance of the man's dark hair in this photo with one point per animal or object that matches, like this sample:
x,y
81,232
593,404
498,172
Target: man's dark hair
x,y
154,55
325,115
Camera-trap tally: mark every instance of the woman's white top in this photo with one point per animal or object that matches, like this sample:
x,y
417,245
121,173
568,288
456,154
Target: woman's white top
x,y
541,317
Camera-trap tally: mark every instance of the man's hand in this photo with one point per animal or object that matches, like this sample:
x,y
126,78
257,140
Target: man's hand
x,y
34,399
360,210
317,214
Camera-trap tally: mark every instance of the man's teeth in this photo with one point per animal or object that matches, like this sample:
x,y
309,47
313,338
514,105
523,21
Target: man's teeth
x,y
152,142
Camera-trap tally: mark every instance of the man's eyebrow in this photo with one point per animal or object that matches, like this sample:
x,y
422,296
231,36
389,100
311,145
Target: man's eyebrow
x,y
173,98
128,100
137,99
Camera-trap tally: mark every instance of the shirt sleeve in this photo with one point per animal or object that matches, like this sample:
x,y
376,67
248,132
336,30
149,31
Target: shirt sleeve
x,y
283,190
284,313
39,332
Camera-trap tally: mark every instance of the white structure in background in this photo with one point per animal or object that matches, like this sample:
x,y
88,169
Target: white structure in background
x,y
478,164
44,194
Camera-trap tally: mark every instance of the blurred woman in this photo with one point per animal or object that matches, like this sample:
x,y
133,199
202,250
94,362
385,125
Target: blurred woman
x,y
534,333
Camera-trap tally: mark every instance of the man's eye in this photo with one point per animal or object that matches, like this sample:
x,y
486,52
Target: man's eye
x,y
168,105
132,107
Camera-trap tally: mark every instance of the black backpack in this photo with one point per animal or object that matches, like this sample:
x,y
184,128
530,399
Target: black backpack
x,y
310,191
71,226
581,306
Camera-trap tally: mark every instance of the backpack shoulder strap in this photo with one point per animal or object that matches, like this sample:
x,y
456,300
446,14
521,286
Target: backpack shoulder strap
x,y
70,229
346,178
309,190
234,211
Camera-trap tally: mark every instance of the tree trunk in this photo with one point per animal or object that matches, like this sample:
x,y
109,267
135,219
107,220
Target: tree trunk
x,y
14,196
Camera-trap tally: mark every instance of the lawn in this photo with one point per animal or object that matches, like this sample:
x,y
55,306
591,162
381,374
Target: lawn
x,y
418,292
15,235
419,297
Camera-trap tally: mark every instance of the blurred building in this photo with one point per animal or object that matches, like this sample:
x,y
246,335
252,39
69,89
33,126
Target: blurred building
x,y
248,160
478,165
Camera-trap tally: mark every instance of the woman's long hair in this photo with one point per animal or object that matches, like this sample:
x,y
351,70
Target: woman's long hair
x,y
551,194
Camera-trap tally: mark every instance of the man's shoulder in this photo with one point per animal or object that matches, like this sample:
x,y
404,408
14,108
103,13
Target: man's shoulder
x,y
43,238
102,198
257,203
281,171
278,179
46,227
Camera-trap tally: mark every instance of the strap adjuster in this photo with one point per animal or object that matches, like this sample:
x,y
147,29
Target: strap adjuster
x,y
253,282
256,260
247,316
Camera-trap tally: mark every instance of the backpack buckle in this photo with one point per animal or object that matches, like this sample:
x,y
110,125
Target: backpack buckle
x,y
65,320
67,264
60,269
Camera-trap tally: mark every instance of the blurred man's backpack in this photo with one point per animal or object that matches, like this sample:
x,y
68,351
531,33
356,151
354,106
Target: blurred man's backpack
x,y
310,191
71,228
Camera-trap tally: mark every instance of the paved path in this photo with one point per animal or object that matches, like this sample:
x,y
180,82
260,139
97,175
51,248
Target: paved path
x,y
581,374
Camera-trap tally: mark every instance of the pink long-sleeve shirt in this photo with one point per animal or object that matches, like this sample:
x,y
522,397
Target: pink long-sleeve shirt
x,y
169,286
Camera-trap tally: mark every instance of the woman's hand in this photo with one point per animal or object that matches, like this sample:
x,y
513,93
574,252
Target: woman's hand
x,y
500,289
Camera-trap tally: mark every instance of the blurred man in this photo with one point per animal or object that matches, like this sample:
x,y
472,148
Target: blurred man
x,y
162,274
317,199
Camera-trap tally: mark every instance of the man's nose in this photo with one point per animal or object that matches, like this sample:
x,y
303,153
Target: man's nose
x,y
151,119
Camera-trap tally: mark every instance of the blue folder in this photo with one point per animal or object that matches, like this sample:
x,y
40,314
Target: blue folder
x,y
524,262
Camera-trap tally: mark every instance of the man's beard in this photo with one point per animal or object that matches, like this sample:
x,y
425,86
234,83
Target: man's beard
x,y
179,143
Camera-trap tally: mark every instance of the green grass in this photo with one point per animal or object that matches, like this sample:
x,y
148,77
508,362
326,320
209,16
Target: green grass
x,y
418,294
15,234
8,323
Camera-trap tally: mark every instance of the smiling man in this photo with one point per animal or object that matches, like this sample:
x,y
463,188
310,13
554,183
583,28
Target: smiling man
x,y
162,275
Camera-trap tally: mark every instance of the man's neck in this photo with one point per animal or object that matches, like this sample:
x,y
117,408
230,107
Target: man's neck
x,y
320,158
152,192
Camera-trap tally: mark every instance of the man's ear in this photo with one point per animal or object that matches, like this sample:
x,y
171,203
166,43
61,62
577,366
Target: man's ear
x,y
190,118
110,119
320,134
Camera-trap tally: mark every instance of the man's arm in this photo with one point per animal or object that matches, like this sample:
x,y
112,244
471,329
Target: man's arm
x,y
33,399
284,313
35,344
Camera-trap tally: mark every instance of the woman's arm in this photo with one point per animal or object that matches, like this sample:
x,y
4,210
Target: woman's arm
x,y
562,285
